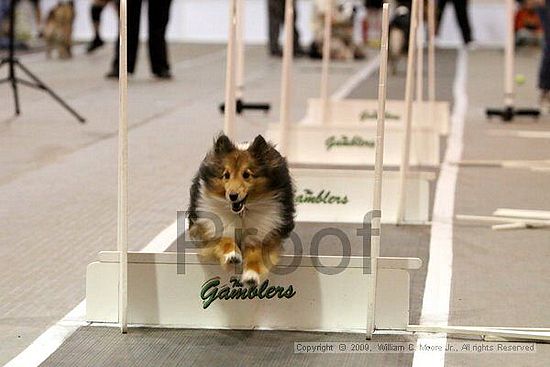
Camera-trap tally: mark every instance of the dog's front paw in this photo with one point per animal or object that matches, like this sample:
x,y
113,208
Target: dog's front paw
x,y
250,278
233,258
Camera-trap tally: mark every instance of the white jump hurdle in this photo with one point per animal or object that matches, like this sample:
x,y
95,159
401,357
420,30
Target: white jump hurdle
x,y
304,299
353,145
354,120
204,296
362,112
326,150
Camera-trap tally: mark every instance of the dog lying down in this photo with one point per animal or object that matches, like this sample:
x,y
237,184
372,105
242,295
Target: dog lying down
x,y
242,206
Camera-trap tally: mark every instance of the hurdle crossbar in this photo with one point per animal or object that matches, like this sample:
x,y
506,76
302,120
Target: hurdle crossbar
x,y
487,333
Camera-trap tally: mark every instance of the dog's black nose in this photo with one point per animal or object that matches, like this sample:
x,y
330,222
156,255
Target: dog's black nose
x,y
233,197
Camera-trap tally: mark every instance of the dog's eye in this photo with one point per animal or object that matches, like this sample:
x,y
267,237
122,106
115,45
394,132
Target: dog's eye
x,y
226,175
246,175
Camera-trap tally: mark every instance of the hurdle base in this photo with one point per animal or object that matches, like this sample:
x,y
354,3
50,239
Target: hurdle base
x,y
508,113
487,333
241,106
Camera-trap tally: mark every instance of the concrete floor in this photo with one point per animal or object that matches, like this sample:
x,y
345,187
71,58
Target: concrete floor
x,y
58,196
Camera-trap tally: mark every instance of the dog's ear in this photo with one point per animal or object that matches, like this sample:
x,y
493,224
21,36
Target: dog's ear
x,y
223,145
259,147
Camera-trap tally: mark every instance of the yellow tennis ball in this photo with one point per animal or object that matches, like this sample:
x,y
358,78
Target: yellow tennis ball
x,y
520,79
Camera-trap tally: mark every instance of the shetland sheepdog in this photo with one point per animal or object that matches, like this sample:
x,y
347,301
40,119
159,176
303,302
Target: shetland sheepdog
x,y
242,206
342,44
59,29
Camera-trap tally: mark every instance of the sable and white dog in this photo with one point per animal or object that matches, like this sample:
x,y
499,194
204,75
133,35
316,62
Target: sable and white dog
x,y
59,29
342,44
242,206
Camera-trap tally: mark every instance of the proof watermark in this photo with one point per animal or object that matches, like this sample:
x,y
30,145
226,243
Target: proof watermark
x,y
212,226
412,347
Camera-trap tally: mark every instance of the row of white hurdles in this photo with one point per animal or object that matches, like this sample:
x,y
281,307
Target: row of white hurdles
x,y
337,136
323,293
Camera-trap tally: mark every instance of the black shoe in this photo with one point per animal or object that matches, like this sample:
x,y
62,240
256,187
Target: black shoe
x,y
276,53
94,45
164,74
299,52
113,74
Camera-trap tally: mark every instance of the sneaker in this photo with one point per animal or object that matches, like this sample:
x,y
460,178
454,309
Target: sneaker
x,y
276,53
113,74
94,45
164,74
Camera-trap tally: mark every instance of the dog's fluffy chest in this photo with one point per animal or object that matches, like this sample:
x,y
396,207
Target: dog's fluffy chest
x,y
256,222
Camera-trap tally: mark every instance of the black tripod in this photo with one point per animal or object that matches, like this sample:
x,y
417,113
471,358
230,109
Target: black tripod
x,y
13,63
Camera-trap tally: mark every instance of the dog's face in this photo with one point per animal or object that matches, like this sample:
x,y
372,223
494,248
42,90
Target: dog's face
x,y
239,176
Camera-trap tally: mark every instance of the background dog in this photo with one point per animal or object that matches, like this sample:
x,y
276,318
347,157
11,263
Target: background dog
x,y
242,206
59,29
342,44
399,34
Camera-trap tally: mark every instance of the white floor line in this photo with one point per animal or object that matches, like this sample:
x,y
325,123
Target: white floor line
x,y
163,240
437,292
50,340
353,82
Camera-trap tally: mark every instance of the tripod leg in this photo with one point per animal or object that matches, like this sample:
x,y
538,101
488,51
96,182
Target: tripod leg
x,y
15,95
44,87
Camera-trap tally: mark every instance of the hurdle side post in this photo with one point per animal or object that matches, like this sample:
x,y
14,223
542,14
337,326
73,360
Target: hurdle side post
x,y
509,55
378,169
122,197
420,53
327,34
230,100
406,147
288,50
239,45
431,52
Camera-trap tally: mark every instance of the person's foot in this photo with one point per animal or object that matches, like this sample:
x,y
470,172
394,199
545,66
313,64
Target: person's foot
x,y
164,74
544,102
276,53
299,52
471,45
113,74
94,45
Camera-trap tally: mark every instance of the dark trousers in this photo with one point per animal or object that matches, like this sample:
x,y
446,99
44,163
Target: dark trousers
x,y
158,16
544,70
461,11
276,19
